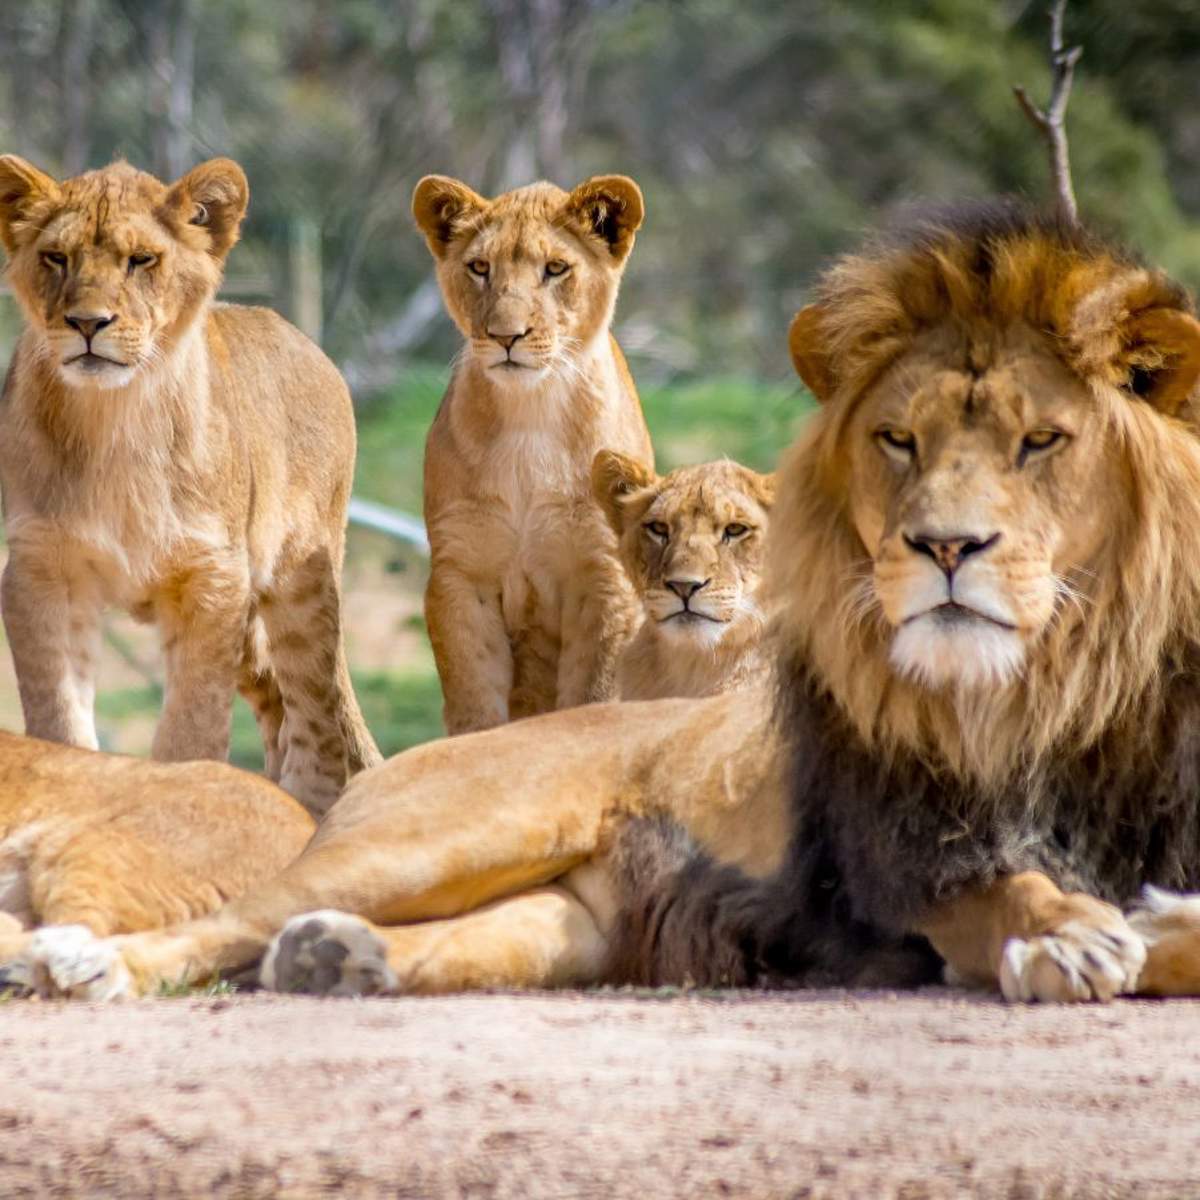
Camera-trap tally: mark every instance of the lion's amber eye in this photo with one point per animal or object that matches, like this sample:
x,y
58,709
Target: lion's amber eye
x,y
898,443
1041,439
141,260
479,266
656,529
735,531
55,259
556,267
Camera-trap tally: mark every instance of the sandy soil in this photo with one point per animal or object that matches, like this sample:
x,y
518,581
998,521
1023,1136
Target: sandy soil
x,y
810,1095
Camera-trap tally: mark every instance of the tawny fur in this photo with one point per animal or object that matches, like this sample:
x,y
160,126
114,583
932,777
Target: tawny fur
x,y
874,794
194,468
527,606
119,845
700,528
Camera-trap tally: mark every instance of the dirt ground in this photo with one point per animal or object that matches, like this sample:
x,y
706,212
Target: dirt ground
x,y
937,1094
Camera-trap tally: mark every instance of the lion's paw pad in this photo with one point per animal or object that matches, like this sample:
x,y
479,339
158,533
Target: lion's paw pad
x,y
1077,962
328,953
69,962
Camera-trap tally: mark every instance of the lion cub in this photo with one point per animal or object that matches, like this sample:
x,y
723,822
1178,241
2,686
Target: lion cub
x,y
188,461
527,605
692,543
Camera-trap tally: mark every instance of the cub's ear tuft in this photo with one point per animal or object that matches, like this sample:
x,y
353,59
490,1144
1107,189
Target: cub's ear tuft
x,y
808,344
609,207
26,195
441,206
212,197
615,477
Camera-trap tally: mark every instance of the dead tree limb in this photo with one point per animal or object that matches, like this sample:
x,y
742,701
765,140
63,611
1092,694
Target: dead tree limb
x,y
1051,124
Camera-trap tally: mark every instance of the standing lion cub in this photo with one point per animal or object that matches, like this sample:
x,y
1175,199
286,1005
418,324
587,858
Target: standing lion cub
x,y
527,605
185,460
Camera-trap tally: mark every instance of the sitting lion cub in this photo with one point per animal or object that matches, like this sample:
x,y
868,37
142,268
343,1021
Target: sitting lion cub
x,y
691,542
527,605
190,462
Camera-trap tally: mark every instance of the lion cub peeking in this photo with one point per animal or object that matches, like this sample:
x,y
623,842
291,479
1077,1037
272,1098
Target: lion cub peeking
x,y
691,542
527,605
188,461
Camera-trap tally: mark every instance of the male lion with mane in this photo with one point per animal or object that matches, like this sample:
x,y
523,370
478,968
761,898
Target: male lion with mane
x,y
691,543
984,729
188,461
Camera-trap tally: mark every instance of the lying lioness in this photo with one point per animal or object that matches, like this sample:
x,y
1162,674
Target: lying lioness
x,y
691,543
108,844
984,731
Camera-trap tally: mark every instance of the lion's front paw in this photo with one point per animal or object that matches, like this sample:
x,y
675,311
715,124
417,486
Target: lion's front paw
x,y
328,953
1078,961
69,962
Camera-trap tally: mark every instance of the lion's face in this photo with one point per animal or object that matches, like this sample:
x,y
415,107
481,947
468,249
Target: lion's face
x,y
980,486
691,542
112,267
531,277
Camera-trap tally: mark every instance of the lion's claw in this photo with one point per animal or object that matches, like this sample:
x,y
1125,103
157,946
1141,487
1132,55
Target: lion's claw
x,y
1077,962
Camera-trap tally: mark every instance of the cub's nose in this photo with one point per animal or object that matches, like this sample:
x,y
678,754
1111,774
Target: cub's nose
x,y
949,551
507,340
89,325
685,589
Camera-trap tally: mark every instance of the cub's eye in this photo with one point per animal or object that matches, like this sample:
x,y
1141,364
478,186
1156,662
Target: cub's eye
x,y
480,267
896,443
556,267
656,529
735,531
141,260
55,259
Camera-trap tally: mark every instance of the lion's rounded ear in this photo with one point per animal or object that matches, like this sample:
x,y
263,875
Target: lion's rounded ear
x,y
1162,356
23,191
440,206
212,197
611,208
762,488
615,476
810,357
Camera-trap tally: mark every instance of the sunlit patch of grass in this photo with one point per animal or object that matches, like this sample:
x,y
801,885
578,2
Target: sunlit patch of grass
x,y
168,990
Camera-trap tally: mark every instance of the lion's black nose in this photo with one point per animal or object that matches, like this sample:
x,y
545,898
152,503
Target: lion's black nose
x,y
507,340
949,550
89,326
685,589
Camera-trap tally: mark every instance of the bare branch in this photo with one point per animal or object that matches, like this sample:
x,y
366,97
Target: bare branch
x,y
1051,124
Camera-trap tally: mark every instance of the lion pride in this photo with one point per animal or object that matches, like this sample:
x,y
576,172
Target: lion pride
x,y
984,726
185,460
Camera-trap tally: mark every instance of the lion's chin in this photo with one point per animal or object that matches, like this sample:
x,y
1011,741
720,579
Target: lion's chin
x,y
92,372
967,653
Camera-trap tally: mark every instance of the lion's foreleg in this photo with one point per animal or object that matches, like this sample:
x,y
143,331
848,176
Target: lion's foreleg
x,y
472,650
202,611
52,620
1169,924
1036,941
546,937
599,617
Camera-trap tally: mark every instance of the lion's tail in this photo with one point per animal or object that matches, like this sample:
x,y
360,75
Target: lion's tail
x,y
688,920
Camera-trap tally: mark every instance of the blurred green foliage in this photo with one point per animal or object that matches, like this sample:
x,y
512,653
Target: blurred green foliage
x,y
766,136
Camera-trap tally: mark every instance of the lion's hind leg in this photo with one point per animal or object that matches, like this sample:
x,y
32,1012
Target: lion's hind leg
x,y
1169,924
543,938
